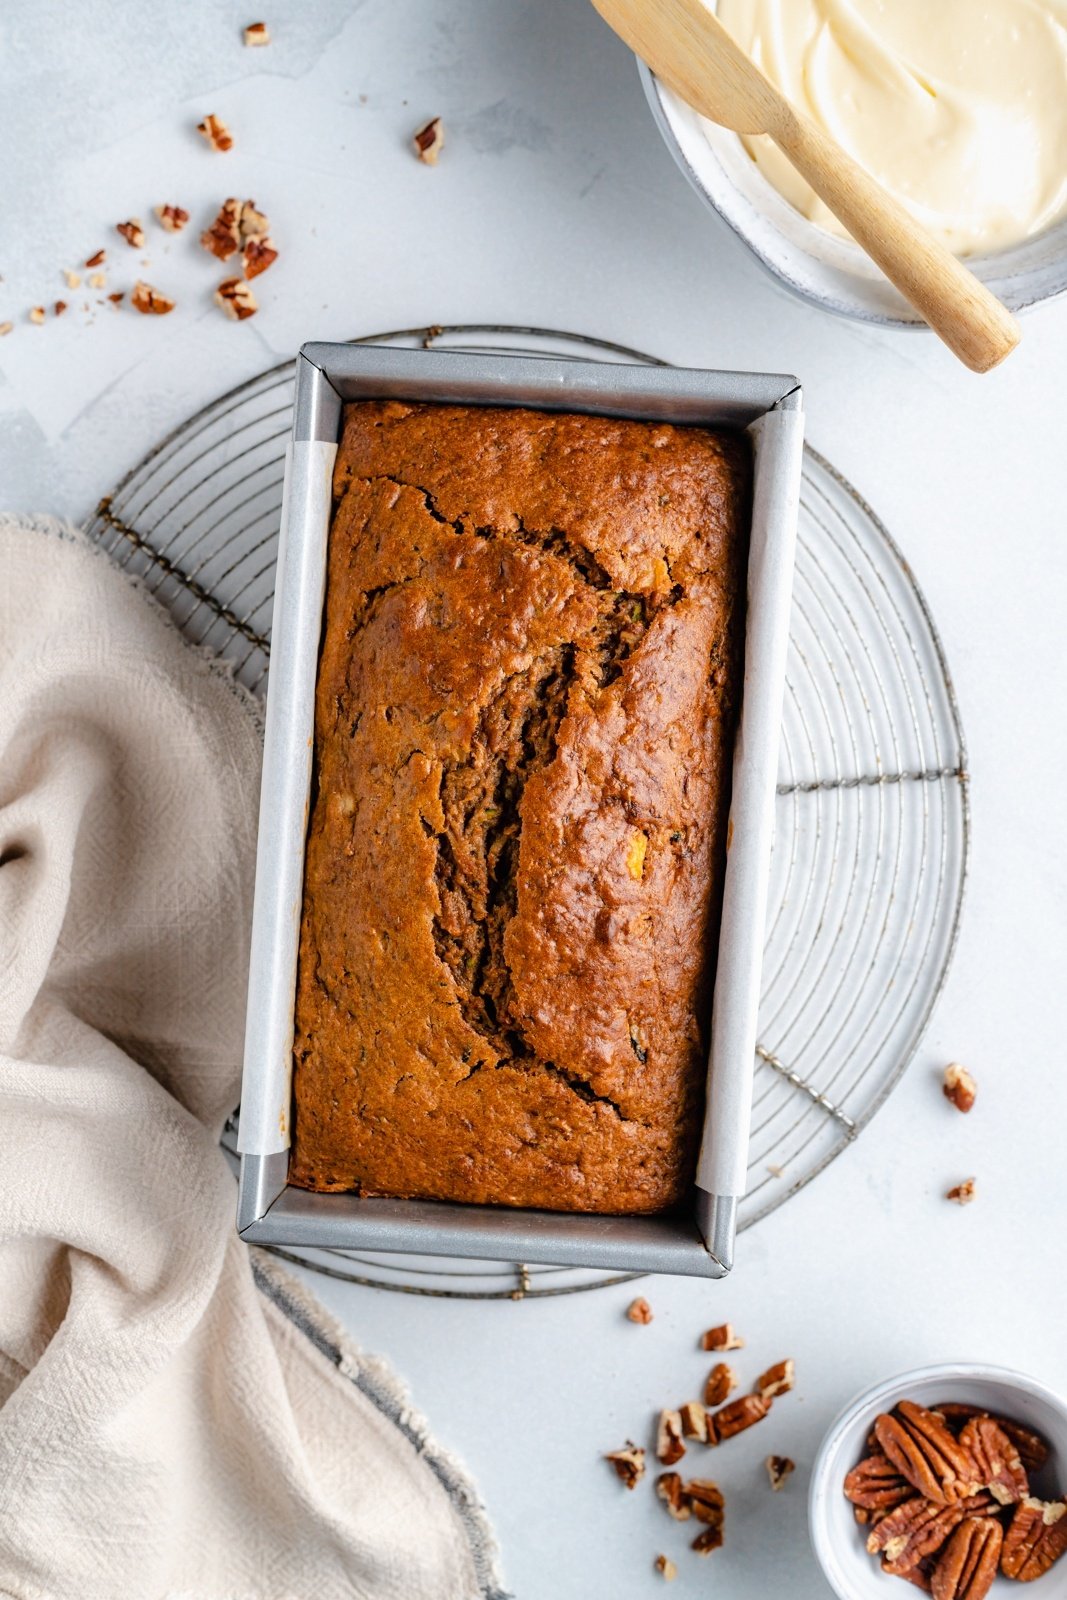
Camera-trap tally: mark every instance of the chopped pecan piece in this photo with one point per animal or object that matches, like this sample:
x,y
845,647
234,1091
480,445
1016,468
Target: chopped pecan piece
x,y
962,1193
921,1447
669,1490
132,232
721,1338
876,1483
223,238
629,1464
429,141
694,1421
1033,1450
96,260
73,279
59,307
256,256
707,1540
216,133
706,1501
740,1414
235,297
999,1468
252,223
722,1380
117,298
959,1086
37,315
639,1311
149,301
967,1565
5,329
669,1446
1036,1538
172,218
778,1379
666,1568
97,280
779,1469
257,33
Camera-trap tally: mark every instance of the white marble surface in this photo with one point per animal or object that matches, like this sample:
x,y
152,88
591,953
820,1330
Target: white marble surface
x,y
555,204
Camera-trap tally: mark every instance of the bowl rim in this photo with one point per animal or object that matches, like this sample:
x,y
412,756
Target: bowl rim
x,y
869,1400
1018,288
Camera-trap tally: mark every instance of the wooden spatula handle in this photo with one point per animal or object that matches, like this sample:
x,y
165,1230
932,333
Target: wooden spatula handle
x,y
958,307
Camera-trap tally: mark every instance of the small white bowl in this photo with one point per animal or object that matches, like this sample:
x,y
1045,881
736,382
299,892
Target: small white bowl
x,y
839,1541
833,273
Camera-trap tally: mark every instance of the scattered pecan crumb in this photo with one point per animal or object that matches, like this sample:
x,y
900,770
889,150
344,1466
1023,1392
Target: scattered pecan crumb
x,y
722,1380
223,238
962,1193
694,1421
629,1464
257,33
639,1311
5,329
72,279
235,297
257,256
959,1086
216,133
96,260
669,1445
117,298
37,315
666,1568
252,223
97,280
132,232
172,218
149,301
721,1338
778,1379
429,141
669,1490
775,1171
59,307
779,1468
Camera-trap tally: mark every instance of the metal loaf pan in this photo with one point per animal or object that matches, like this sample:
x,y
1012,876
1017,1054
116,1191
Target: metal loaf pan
x,y
269,1211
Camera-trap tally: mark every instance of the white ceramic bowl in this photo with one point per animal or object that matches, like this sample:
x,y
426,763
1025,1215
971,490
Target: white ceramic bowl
x,y
833,273
837,1538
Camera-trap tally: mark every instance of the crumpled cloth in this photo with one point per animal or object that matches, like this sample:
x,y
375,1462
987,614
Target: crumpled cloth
x,y
177,1417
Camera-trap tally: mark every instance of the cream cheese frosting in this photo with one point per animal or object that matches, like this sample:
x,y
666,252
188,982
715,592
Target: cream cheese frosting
x,y
959,107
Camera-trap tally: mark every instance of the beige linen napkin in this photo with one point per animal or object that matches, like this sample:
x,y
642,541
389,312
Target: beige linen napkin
x,y
177,1418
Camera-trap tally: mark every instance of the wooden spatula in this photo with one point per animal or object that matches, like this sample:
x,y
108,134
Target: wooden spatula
x,y
692,53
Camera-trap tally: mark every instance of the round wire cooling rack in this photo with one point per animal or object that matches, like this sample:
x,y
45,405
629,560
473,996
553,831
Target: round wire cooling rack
x,y
872,827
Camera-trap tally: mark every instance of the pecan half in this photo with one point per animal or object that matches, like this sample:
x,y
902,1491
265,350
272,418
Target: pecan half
x,y
1032,1448
915,1529
429,141
1000,1469
721,1338
740,1414
669,1490
959,1086
923,1450
779,1469
1036,1538
666,1568
778,1379
706,1501
639,1311
629,1464
721,1381
694,1421
235,297
172,218
132,232
968,1564
669,1445
876,1484
215,132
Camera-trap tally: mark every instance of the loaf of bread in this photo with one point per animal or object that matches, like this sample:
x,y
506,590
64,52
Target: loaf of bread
x,y
523,736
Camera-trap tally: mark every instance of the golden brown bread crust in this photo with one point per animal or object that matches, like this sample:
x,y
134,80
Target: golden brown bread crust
x,y
522,743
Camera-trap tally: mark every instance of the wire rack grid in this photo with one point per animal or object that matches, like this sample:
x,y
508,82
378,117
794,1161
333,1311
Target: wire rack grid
x,y
873,822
